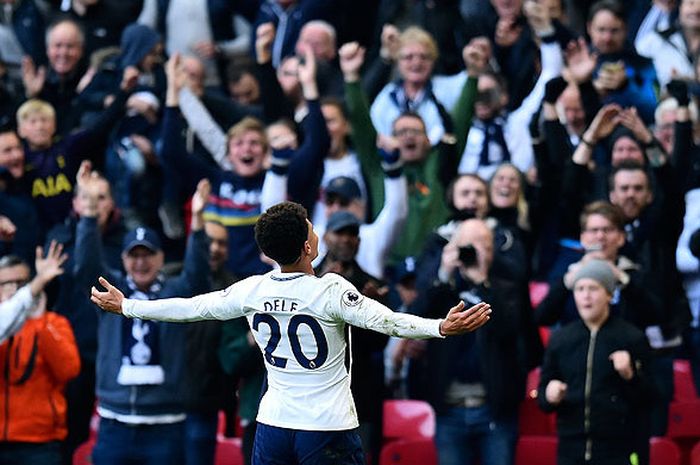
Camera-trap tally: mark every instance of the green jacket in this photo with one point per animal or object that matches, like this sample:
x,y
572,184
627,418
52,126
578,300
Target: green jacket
x,y
427,179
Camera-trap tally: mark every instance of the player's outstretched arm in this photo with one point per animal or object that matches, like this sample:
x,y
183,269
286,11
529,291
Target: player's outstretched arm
x,y
460,321
367,313
111,300
218,305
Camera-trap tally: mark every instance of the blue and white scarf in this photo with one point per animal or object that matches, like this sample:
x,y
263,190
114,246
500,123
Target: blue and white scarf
x,y
140,344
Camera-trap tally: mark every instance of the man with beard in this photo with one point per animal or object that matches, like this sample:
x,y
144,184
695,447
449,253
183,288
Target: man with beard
x,y
651,230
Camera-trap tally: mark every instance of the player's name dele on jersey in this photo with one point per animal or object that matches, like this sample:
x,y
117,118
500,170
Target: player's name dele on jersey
x,y
279,305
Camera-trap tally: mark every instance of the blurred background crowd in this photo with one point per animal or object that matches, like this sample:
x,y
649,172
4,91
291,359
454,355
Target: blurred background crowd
x,y
528,153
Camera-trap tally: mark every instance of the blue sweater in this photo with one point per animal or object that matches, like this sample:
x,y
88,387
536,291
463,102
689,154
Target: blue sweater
x,y
235,200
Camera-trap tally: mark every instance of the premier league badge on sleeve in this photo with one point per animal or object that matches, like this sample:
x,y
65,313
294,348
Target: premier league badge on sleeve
x,y
351,298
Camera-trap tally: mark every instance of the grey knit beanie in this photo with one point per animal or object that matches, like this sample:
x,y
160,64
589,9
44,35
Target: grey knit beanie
x,y
598,270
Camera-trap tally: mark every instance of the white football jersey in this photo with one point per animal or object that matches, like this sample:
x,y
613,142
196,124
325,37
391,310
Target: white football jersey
x,y
298,321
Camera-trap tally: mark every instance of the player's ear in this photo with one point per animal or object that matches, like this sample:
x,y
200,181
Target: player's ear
x,y
307,248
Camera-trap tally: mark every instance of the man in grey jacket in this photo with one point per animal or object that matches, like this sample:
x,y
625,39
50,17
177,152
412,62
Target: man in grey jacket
x,y
140,364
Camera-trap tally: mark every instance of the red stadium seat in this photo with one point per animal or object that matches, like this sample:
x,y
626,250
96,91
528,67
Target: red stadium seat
x,y
83,454
533,382
684,419
532,420
683,385
536,450
222,427
228,451
695,455
538,291
407,419
542,450
663,451
416,451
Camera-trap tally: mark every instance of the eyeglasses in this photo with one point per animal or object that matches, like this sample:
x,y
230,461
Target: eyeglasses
x,y
411,56
408,132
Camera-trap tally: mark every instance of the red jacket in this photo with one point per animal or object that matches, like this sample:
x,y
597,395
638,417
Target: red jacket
x,y
35,365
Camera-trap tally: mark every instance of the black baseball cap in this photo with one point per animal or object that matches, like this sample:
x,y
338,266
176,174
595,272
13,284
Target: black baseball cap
x,y
142,236
343,220
344,187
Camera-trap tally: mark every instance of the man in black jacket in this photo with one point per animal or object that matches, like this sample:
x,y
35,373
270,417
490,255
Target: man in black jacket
x,y
595,376
476,382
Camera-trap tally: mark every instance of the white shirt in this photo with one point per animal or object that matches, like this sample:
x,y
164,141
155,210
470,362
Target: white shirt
x,y
298,321
447,89
669,54
516,130
187,24
378,237
14,312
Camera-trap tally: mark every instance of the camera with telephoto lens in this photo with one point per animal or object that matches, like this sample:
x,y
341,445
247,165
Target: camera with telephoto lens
x,y
467,255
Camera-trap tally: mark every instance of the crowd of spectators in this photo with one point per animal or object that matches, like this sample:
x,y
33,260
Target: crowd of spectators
x,y
444,150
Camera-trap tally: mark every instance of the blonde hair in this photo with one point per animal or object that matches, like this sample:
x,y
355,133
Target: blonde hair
x,y
414,34
35,106
522,205
247,124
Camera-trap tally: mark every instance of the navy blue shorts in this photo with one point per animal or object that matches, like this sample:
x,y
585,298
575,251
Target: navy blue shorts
x,y
282,446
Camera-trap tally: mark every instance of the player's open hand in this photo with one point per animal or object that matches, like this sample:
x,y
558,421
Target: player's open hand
x,y
460,321
111,300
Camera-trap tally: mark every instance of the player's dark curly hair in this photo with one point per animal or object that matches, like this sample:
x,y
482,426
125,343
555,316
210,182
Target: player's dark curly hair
x,y
281,232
